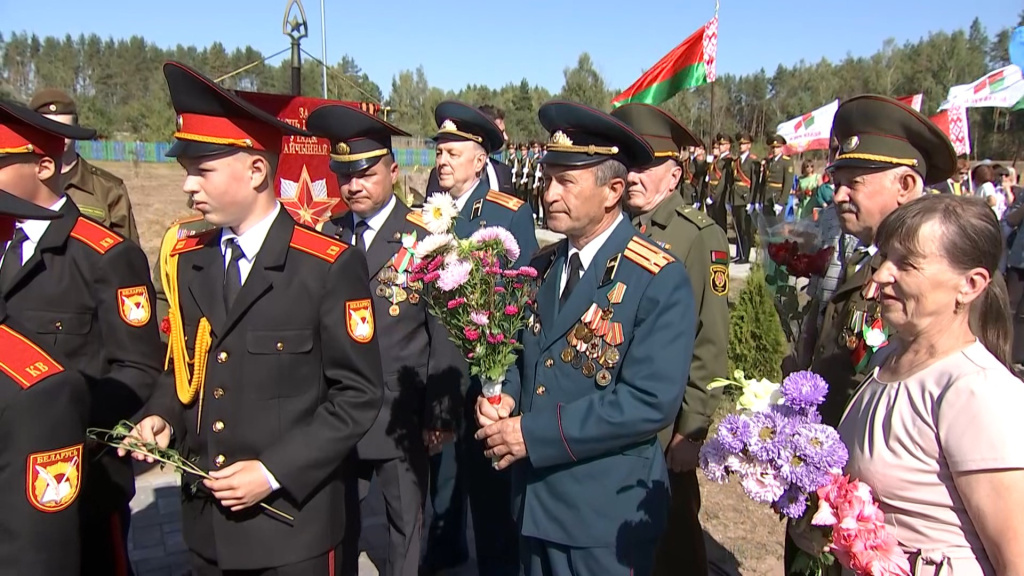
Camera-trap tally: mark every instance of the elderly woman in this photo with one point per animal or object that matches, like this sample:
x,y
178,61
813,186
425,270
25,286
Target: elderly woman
x,y
936,428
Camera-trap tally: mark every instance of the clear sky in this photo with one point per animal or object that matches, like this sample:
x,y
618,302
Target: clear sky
x,y
472,41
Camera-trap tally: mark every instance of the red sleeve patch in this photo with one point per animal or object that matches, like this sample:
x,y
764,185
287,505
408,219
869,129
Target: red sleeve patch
x,y
26,363
316,244
95,235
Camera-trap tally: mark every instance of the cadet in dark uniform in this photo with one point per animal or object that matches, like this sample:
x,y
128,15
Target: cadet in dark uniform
x,y
275,372
44,407
888,152
595,383
746,168
777,182
77,285
704,250
464,139
423,368
720,179
99,194
181,228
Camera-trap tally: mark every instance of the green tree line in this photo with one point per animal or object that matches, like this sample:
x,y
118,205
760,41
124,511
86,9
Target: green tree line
x,y
121,91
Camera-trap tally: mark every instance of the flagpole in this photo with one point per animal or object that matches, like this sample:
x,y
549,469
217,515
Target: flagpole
x,y
711,132
323,44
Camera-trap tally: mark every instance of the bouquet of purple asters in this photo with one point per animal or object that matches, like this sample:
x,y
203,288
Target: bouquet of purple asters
x,y
781,453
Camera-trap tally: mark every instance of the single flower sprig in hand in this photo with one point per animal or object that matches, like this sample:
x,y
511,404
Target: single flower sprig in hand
x,y
121,437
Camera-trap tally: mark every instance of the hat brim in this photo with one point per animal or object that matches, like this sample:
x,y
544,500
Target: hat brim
x,y
12,206
492,139
633,149
189,149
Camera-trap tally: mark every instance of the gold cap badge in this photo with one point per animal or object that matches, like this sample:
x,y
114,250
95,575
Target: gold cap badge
x,y
448,126
851,144
341,148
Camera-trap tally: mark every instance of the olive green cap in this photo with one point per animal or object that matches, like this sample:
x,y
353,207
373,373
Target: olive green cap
x,y
665,134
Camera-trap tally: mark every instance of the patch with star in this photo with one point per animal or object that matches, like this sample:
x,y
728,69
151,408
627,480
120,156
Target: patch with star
x,y
54,478
133,305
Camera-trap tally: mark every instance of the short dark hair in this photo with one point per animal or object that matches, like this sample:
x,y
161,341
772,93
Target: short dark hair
x,y
492,112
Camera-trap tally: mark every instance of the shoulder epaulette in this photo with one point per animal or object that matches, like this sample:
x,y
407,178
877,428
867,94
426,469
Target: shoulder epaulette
x,y
784,157
26,363
105,174
416,217
698,218
192,242
753,156
647,255
95,235
502,199
316,244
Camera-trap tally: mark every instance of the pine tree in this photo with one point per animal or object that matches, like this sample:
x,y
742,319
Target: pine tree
x,y
756,341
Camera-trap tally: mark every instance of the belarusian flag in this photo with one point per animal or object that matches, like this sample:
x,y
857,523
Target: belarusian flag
x,y
914,101
688,65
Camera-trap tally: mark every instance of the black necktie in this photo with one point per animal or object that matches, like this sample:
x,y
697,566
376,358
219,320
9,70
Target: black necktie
x,y
357,235
232,274
12,258
572,277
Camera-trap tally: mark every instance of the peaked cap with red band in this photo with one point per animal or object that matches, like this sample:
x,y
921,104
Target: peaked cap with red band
x,y
23,131
213,120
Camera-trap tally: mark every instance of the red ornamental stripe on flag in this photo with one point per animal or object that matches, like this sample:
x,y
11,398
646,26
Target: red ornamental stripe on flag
x,y
711,47
988,81
806,121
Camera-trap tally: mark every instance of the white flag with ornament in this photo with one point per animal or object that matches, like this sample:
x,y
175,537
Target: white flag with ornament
x,y
810,131
1000,88
953,121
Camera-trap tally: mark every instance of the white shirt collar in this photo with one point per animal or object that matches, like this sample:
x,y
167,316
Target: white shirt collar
x,y
35,229
252,240
743,157
590,250
460,202
378,219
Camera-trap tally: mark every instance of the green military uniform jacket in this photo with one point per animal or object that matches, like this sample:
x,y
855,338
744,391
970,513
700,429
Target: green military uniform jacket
x,y
687,188
777,181
103,197
185,227
746,173
704,250
721,177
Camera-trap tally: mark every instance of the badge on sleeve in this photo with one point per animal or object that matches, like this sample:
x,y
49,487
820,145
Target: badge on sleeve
x,y
359,319
54,478
719,279
133,305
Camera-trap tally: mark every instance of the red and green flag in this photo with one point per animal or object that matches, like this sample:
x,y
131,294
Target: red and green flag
x,y
688,65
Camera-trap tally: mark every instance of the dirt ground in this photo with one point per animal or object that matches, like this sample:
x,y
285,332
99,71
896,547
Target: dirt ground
x,y
744,538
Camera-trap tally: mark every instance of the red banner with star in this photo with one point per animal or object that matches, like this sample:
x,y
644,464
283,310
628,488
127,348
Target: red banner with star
x,y
305,184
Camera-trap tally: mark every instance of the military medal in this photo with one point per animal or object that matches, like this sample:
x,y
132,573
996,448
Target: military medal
x,y
589,369
393,310
414,298
536,329
609,357
604,378
577,361
594,348
400,294
382,291
568,354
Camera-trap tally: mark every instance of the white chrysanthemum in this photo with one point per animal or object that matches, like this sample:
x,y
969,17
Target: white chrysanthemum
x,y
439,212
433,244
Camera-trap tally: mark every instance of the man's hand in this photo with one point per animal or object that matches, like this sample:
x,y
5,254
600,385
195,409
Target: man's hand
x,y
434,440
487,413
682,455
152,429
239,486
503,441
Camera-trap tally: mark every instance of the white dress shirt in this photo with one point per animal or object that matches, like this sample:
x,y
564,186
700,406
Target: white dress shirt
x,y
250,243
460,202
373,223
34,230
587,253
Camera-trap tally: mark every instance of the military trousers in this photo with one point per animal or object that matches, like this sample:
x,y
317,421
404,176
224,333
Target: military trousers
x,y
545,558
741,223
682,549
327,564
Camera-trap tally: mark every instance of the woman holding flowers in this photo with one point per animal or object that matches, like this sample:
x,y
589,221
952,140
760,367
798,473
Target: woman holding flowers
x,y
935,428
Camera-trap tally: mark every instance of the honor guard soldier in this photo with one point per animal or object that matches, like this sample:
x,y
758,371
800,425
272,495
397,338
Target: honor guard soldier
x,y
663,217
465,137
44,407
746,168
595,384
76,283
99,194
777,182
720,179
888,152
274,369
423,372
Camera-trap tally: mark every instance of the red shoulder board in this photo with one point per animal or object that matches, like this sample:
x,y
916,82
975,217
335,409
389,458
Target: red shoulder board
x,y
95,235
190,243
416,217
647,255
23,361
502,199
317,244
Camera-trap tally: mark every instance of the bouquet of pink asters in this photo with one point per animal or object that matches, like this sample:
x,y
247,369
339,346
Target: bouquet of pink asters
x,y
474,290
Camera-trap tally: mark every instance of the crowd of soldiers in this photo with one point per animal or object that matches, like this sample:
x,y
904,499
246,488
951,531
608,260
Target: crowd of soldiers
x,y
296,364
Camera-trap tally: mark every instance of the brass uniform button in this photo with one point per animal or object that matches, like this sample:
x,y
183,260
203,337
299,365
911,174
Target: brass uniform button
x,y
548,363
219,460
541,390
218,393
59,325
280,346
222,357
218,426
